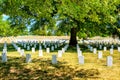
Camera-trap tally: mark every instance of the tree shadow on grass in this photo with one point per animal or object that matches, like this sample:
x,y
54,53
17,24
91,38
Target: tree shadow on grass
x,y
42,69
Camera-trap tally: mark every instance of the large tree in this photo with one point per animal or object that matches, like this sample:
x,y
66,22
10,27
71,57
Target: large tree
x,y
77,16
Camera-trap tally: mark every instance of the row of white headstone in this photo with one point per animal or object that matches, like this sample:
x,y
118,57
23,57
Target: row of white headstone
x,y
28,58
94,50
102,41
60,52
45,43
52,45
109,61
54,58
4,58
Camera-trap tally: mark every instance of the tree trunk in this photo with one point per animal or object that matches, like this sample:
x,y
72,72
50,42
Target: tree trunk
x,y
73,39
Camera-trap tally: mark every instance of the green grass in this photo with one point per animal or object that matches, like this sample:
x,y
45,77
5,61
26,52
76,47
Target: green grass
x,y
67,67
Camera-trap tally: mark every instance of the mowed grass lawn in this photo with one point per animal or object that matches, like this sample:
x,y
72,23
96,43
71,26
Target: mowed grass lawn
x,y
67,67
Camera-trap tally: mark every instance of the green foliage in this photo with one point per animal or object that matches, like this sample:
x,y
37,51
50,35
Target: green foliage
x,y
39,32
5,29
89,17
59,33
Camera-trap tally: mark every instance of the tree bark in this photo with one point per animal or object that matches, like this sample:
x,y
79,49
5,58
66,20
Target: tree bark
x,y
73,39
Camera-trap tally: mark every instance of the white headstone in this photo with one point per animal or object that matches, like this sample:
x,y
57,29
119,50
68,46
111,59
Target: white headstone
x,y
47,50
4,57
35,45
54,59
22,52
19,49
28,47
118,49
111,51
77,46
105,48
52,48
31,44
91,49
40,47
58,45
59,53
100,46
88,46
66,47
109,61
40,53
49,44
99,54
94,50
28,58
5,50
24,45
55,45
79,53
45,46
5,46
63,50
33,50
81,59
112,46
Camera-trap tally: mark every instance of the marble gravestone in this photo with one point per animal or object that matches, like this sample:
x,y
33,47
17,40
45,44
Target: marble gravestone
x,y
52,48
105,48
24,45
33,50
19,49
100,46
22,52
40,47
111,51
63,50
59,53
79,52
81,59
28,58
5,50
4,57
55,46
100,54
109,61
94,50
118,49
91,49
54,59
47,50
40,53
28,47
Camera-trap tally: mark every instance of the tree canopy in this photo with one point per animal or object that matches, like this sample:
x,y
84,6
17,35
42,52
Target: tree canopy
x,y
84,18
8,30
